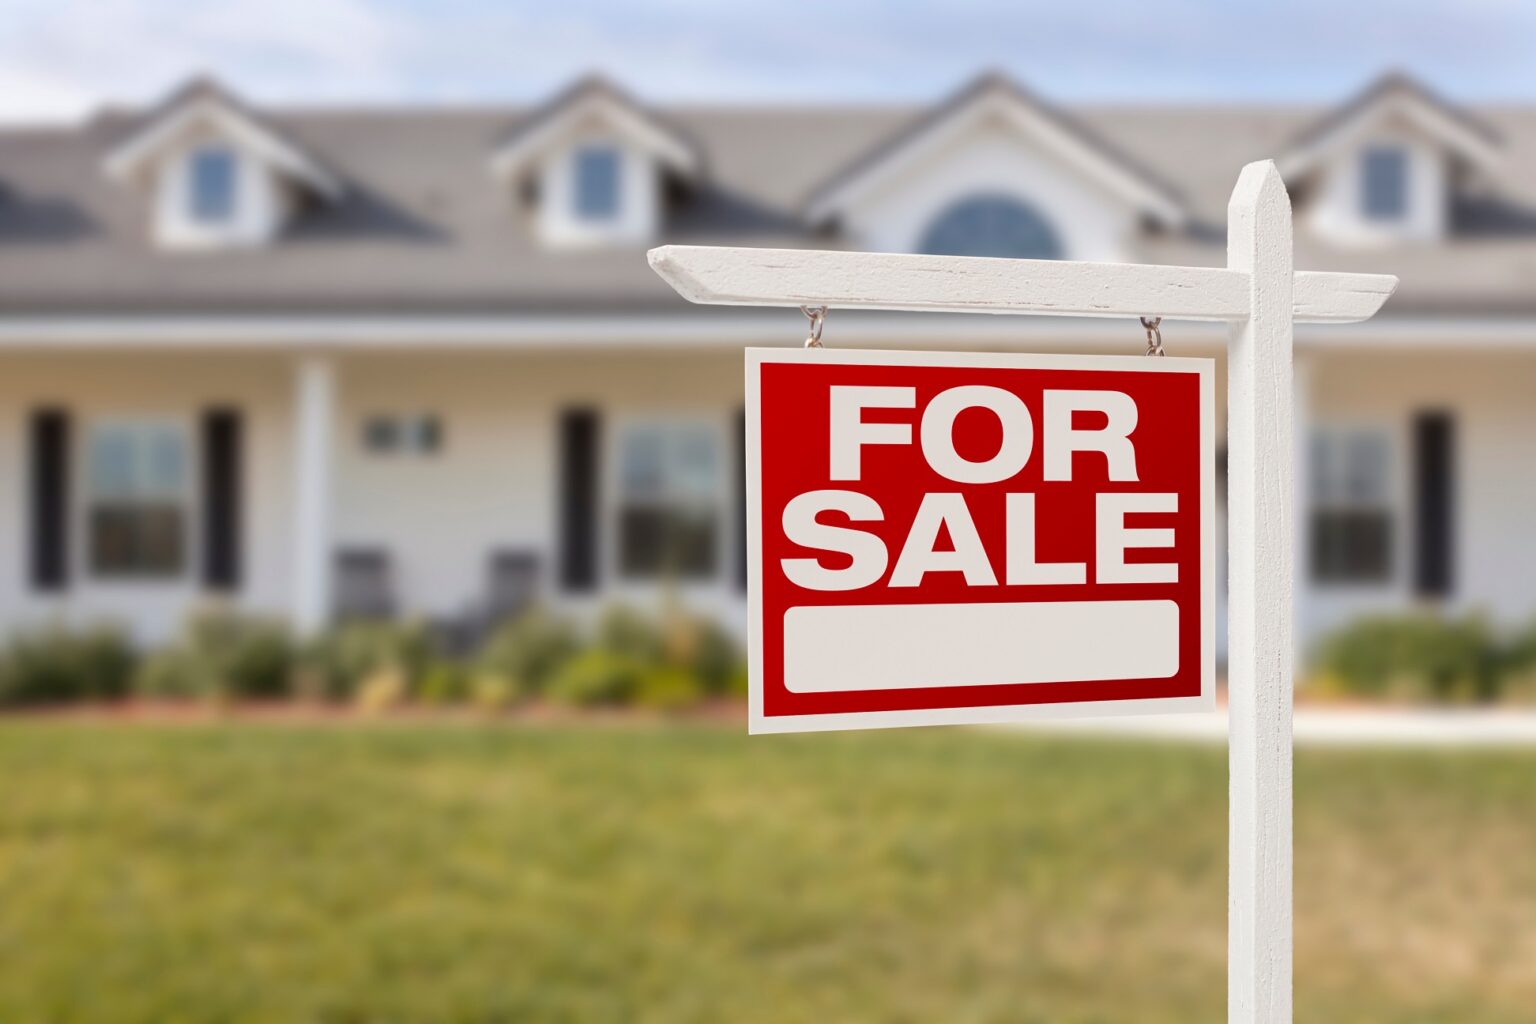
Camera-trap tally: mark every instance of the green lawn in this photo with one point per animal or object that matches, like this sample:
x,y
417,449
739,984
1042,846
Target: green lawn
x,y
452,872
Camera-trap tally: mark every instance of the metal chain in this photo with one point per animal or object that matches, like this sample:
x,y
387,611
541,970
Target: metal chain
x,y
818,318
1153,324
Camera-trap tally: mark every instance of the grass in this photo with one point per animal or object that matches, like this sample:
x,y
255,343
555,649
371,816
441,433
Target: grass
x,y
459,873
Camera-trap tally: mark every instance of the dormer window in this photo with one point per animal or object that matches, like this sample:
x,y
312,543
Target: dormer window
x,y
1388,166
1384,183
216,173
598,167
597,183
211,185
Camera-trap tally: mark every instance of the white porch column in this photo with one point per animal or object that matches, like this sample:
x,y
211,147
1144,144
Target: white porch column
x,y
314,415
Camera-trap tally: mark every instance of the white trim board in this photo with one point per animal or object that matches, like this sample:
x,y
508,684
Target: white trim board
x,y
970,284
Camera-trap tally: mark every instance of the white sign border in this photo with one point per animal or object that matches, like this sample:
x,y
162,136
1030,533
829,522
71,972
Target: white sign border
x,y
759,723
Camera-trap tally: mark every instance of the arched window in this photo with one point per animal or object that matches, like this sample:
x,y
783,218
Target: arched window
x,y
992,225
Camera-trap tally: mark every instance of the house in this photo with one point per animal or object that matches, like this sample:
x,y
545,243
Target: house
x,y
310,362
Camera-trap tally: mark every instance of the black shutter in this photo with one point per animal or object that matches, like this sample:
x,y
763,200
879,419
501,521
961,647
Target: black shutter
x,y
740,485
49,444
1434,472
579,439
223,479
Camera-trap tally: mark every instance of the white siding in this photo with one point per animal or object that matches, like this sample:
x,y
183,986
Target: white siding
x,y
494,482
162,387
1494,491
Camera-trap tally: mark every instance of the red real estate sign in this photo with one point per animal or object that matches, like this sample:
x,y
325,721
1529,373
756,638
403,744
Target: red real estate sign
x,y
938,538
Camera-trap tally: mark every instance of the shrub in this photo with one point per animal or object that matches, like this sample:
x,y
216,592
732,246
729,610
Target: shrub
x,y
704,649
667,663
529,650
1517,666
58,664
1413,657
1519,654
335,665
625,632
224,655
493,691
596,676
668,688
382,689
444,682
165,674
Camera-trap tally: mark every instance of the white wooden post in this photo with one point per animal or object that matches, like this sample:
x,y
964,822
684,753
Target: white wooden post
x,y
1303,378
1260,556
1260,295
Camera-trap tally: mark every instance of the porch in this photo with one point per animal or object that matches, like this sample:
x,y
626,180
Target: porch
x,y
454,487
453,484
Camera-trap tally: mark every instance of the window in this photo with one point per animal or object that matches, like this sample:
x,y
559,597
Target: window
x,y
669,501
1351,506
1384,183
597,183
136,483
390,434
211,175
992,226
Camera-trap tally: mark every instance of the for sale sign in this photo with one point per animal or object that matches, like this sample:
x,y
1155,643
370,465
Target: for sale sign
x,y
938,538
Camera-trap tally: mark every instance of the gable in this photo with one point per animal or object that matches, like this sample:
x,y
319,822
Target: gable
x,y
201,112
590,109
1389,166
990,164
994,105
1396,106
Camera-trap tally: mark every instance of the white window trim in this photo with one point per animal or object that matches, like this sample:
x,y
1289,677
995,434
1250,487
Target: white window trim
x,y
81,542
1398,551
612,580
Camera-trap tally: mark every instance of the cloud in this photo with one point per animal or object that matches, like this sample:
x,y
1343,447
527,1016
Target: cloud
x,y
61,58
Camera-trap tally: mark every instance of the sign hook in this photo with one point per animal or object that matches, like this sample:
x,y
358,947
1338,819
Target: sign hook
x,y
817,315
1153,324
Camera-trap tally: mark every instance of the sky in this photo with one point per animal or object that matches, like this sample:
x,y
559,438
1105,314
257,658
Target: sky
x,y
62,58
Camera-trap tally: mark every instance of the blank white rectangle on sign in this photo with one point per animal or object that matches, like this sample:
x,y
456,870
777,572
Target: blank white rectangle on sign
x,y
831,649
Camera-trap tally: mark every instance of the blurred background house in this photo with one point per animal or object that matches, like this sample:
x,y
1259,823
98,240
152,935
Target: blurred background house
x,y
411,360
359,329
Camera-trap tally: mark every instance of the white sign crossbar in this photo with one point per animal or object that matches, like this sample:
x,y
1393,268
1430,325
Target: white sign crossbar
x,y
973,284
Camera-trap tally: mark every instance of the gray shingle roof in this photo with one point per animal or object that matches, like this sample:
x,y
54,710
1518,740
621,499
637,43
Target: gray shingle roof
x,y
424,227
